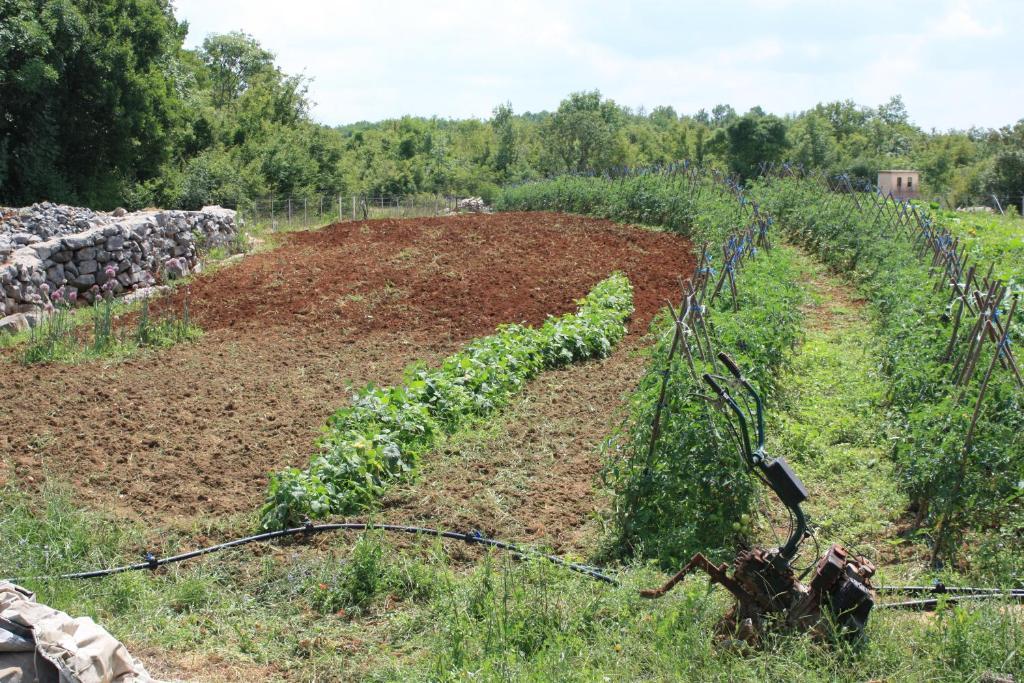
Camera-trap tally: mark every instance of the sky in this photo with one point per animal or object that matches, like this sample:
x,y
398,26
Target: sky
x,y
956,64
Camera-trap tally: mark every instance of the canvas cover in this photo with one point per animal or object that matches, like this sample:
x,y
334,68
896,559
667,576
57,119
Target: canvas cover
x,y
39,643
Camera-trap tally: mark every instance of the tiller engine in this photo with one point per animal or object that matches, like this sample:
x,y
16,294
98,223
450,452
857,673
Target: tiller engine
x,y
838,598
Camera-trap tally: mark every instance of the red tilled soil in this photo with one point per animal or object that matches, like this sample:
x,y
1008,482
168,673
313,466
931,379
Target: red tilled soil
x,y
192,431
459,276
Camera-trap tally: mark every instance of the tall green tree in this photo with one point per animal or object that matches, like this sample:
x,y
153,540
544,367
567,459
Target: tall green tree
x,y
234,61
505,133
88,102
582,132
754,138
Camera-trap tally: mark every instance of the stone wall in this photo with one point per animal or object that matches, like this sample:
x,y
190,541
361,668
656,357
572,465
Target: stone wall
x,y
47,244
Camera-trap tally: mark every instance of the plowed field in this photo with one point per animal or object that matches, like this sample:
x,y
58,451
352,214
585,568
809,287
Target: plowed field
x,y
194,430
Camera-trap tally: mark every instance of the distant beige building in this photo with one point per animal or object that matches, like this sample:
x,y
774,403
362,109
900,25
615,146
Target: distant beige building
x,y
902,184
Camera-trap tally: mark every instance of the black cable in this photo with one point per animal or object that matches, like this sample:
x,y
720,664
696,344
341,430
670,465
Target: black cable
x,y
941,589
473,537
932,603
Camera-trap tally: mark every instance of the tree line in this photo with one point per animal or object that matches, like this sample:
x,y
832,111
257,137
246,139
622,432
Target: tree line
x,y
101,105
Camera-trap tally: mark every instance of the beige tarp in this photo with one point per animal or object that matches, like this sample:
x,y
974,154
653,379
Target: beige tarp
x,y
39,643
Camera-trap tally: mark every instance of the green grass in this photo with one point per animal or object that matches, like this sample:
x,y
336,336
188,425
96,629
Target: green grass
x,y
360,608
58,338
829,420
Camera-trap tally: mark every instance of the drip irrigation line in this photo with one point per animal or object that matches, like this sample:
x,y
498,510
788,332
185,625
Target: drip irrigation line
x,y
152,562
941,589
929,604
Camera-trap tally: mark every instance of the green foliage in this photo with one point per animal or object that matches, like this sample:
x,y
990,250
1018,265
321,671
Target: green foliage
x,y
234,60
368,610
57,338
957,489
582,132
102,105
381,435
89,101
691,494
753,139
705,211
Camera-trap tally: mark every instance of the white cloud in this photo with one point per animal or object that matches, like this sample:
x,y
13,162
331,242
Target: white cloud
x,y
960,22
458,58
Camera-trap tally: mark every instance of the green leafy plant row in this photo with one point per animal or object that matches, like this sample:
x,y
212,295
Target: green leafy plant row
x,y
703,210
694,493
382,434
953,489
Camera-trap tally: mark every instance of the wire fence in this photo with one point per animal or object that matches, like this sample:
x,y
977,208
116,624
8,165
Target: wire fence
x,y
291,213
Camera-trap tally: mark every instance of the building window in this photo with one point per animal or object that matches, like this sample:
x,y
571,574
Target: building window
x,y
899,182
910,183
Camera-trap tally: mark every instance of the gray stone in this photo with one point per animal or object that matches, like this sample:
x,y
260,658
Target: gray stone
x,y
78,241
176,267
55,273
23,238
44,251
83,281
13,324
145,293
86,254
115,242
85,267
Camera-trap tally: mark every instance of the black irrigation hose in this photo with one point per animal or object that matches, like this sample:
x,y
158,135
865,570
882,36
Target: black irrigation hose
x,y
152,562
940,589
952,595
933,603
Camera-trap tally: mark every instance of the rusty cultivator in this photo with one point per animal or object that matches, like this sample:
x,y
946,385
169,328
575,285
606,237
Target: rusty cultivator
x,y
837,599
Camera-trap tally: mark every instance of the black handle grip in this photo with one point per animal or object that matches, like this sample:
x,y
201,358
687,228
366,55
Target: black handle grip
x,y
728,362
714,385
